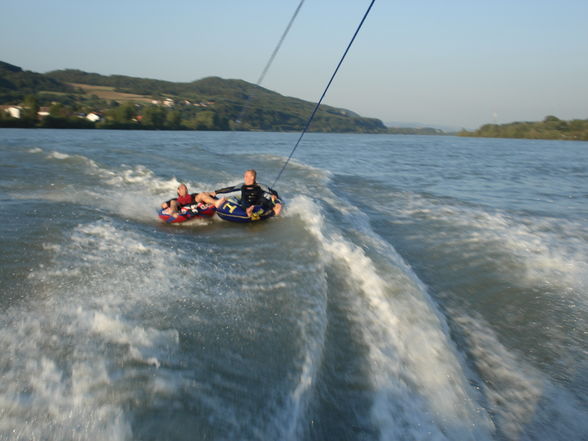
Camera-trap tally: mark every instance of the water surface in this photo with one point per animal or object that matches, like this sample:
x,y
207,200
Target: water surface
x,y
415,288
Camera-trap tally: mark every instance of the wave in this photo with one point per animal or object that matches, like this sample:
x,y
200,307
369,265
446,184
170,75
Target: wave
x,y
424,387
544,258
127,323
420,389
133,192
69,352
544,251
520,397
282,302
291,412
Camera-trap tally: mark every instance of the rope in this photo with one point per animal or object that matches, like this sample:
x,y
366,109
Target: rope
x,y
324,93
271,60
279,43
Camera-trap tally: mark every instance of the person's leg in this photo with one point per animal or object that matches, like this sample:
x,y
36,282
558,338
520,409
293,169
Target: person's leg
x,y
206,198
173,208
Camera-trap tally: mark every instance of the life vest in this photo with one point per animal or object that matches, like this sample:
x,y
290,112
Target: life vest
x,y
185,200
251,194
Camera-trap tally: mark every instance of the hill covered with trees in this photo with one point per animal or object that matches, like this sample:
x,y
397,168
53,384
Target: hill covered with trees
x,y
550,128
128,102
15,83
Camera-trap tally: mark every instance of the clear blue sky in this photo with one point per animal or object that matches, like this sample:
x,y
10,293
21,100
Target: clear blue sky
x,y
459,63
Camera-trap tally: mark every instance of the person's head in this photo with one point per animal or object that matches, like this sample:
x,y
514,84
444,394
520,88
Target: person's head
x,y
249,177
182,190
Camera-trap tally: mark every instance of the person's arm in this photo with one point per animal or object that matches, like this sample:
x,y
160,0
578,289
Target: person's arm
x,y
166,204
269,190
227,189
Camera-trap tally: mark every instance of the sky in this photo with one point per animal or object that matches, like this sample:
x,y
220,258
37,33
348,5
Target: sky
x,y
452,63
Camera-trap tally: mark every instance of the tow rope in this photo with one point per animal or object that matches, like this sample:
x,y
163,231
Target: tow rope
x,y
270,61
324,93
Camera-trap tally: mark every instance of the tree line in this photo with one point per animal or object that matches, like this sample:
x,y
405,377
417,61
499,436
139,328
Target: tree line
x,y
126,116
550,128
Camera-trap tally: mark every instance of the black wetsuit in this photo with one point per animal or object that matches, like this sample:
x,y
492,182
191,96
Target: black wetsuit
x,y
256,194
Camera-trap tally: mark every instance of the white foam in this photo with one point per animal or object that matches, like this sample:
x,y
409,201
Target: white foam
x,y
136,175
549,251
37,389
61,352
519,395
140,340
516,395
83,159
421,389
134,192
312,325
58,155
137,193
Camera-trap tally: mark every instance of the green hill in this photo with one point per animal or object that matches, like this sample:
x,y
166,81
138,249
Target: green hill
x,y
15,84
211,103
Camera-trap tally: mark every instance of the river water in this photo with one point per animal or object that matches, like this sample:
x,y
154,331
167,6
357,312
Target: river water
x,y
414,288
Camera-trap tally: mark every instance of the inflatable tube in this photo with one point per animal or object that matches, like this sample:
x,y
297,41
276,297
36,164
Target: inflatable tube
x,y
188,212
232,211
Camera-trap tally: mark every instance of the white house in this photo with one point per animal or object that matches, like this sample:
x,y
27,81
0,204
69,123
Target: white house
x,y
43,112
92,116
13,111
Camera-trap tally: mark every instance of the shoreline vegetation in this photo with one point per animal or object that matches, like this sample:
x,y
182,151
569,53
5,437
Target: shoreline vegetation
x,y
76,99
550,128
80,100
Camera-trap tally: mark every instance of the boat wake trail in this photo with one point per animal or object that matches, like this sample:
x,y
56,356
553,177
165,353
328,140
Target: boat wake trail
x,y
74,347
132,192
420,390
495,276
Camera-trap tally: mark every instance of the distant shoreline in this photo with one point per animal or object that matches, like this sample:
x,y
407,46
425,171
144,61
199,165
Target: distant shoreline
x,y
551,128
83,125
